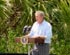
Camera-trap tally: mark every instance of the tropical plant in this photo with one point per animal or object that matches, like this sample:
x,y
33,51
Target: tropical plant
x,y
15,14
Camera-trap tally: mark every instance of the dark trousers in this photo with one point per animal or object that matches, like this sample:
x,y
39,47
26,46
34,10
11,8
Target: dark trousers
x,y
41,49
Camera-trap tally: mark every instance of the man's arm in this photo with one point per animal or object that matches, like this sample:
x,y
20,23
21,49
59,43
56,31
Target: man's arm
x,y
48,33
42,37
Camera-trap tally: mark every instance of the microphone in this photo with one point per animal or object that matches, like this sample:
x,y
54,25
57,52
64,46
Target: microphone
x,y
25,29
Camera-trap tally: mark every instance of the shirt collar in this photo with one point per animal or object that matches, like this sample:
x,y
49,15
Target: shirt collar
x,y
41,23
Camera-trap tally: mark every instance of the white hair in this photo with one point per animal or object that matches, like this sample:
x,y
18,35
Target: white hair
x,y
39,13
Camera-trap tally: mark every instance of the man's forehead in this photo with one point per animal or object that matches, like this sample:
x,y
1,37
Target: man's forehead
x,y
37,14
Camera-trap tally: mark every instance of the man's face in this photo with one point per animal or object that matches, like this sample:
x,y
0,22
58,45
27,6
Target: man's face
x,y
39,18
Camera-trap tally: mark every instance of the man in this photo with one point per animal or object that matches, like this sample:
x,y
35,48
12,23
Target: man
x,y
42,29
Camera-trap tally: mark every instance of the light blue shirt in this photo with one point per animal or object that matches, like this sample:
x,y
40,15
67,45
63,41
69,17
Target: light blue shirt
x,y
43,29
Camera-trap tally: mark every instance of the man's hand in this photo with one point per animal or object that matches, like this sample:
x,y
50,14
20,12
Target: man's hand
x,y
42,37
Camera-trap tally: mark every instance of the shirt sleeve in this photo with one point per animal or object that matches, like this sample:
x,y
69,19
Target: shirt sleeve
x,y
31,31
48,33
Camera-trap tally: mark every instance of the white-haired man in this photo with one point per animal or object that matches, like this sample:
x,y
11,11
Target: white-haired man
x,y
43,29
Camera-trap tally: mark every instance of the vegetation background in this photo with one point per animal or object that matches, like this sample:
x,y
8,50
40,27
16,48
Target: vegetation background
x,y
15,14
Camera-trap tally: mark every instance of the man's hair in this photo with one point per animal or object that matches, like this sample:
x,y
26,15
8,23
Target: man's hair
x,y
40,13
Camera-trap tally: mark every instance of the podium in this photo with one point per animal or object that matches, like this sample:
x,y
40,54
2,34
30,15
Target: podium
x,y
37,40
31,40
28,41
25,40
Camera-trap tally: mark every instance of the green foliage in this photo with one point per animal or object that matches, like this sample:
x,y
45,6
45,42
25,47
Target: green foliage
x,y
15,14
